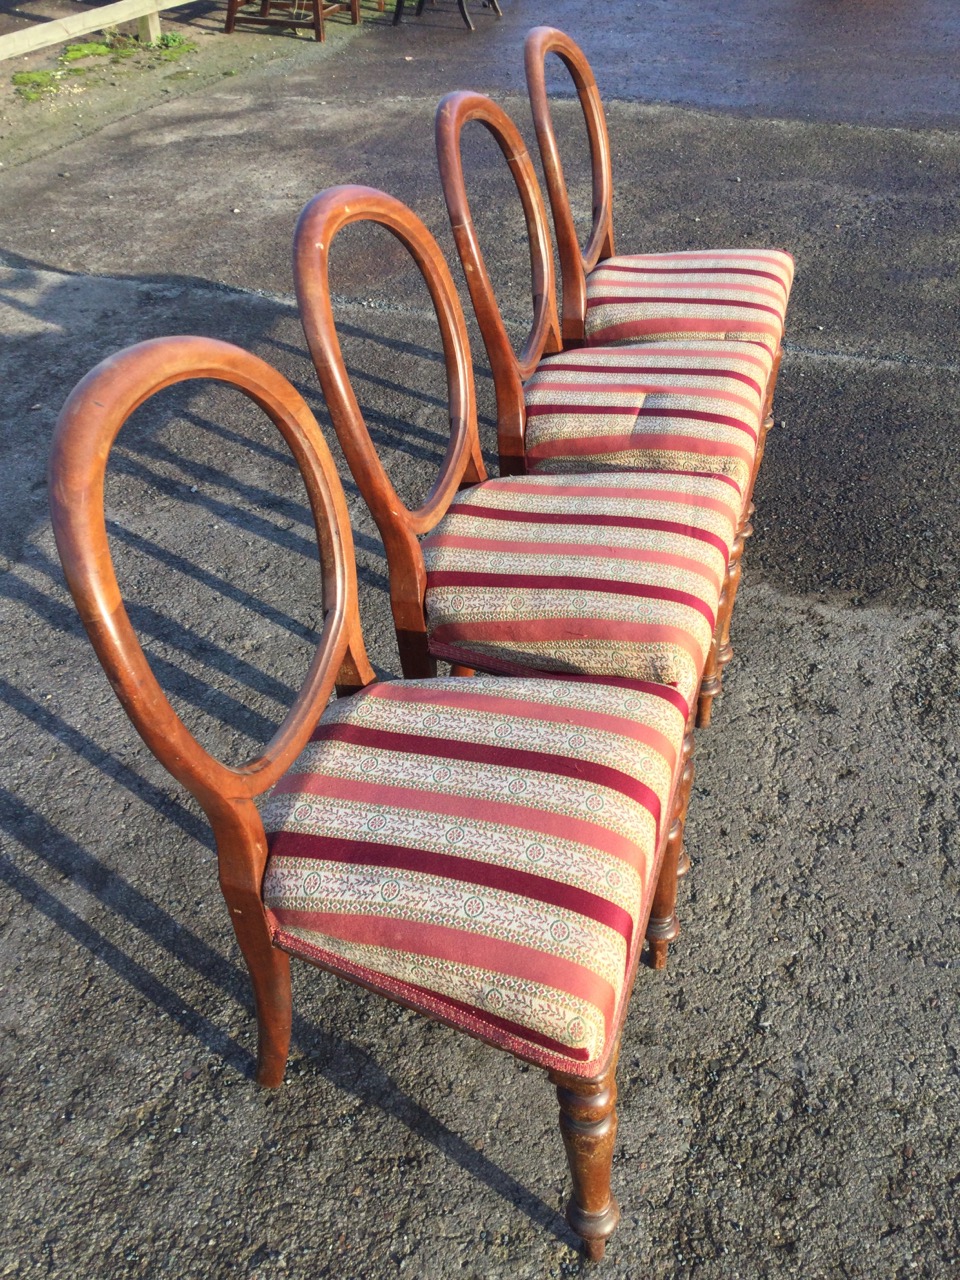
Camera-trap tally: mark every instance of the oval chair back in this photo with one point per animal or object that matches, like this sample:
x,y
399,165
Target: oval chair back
x,y
321,220
88,425
575,262
509,369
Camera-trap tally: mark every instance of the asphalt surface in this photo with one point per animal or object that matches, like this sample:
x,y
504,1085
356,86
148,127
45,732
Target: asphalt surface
x,y
790,1102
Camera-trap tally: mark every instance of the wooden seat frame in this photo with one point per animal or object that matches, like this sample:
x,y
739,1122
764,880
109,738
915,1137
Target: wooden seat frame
x,y
87,428
510,370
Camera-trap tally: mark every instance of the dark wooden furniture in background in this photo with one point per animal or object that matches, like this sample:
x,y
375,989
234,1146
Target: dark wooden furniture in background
x,y
461,4
289,11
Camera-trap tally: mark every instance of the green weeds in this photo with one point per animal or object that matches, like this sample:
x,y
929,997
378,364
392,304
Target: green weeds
x,y
33,86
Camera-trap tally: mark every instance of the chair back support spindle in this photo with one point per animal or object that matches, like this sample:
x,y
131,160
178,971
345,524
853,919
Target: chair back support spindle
x,y
575,262
509,369
399,527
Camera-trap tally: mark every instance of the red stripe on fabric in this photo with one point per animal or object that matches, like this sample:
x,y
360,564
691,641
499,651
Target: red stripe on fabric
x,y
417,937
495,812
546,581
487,875
600,775
612,370
389,689
475,511
654,411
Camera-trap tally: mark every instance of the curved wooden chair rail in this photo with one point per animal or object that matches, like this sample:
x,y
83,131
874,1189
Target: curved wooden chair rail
x,y
575,262
88,425
399,527
510,370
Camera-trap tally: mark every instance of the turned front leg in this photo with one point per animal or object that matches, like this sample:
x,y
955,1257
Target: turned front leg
x,y
588,1123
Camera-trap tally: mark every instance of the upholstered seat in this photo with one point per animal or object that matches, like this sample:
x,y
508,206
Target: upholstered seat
x,y
680,406
600,574
738,294
481,850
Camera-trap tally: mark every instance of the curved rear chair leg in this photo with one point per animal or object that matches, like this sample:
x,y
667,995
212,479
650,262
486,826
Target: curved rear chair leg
x,y
270,977
465,14
588,1123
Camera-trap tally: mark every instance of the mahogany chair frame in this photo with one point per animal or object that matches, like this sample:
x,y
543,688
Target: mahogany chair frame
x,y
511,370
88,425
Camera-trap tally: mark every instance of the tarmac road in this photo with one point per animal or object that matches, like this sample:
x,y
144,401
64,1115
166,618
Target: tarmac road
x,y
790,1102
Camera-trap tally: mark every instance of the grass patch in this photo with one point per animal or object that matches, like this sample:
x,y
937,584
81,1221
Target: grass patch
x,y
91,49
33,85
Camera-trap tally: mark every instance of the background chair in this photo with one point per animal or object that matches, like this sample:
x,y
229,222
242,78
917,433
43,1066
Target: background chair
x,y
682,407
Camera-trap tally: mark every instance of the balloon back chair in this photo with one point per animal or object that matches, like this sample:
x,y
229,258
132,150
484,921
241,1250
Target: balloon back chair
x,y
485,851
680,407
608,299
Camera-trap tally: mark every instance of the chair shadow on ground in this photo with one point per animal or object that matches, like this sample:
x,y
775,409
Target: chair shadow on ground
x,y
147,461
355,1071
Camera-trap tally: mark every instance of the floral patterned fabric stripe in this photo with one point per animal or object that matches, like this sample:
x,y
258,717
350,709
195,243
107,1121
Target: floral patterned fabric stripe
x,y
505,593
737,295
492,754
485,875
381,867
532,581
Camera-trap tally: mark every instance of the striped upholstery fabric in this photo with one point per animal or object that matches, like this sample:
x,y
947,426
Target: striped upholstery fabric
x,y
615,574
484,850
722,293
682,406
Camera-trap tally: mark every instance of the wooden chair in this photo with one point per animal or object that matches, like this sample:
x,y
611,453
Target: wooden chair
x,y
609,299
461,4
683,407
485,851
290,11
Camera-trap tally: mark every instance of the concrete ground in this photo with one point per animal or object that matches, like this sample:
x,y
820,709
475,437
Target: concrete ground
x,y
790,1102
